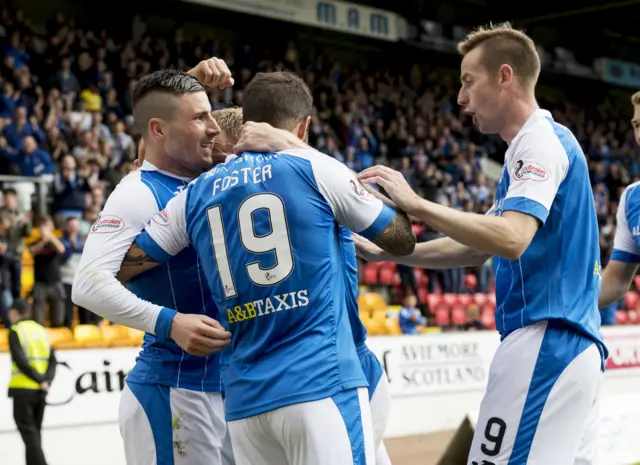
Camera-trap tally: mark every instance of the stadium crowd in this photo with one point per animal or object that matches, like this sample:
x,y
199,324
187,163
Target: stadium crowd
x,y
65,111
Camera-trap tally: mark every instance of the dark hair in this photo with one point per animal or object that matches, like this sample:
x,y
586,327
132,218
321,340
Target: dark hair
x,y
163,83
10,191
44,219
280,98
21,306
166,81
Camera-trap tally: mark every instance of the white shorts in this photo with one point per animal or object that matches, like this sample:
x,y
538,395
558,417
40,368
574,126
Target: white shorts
x,y
332,431
379,400
541,404
161,425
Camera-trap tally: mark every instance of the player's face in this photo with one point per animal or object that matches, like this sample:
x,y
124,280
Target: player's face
x,y
635,122
480,94
191,133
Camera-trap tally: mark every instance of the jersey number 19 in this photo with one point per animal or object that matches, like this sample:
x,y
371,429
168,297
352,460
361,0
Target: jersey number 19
x,y
276,241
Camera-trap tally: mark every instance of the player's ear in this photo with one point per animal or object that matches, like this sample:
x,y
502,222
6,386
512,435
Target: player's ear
x,y
303,129
156,128
505,74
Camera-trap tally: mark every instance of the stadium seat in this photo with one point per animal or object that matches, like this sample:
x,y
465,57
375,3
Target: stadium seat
x,y
136,336
636,281
116,336
480,299
450,299
634,317
622,318
630,300
393,326
459,315
491,297
488,319
465,300
62,338
89,336
421,277
434,300
443,318
4,340
370,302
370,273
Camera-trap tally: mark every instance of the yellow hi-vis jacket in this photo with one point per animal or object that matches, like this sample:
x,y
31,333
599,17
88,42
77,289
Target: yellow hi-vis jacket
x,y
35,343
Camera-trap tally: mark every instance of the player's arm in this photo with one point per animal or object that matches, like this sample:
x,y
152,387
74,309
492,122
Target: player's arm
x,y
525,207
357,209
95,285
163,238
624,260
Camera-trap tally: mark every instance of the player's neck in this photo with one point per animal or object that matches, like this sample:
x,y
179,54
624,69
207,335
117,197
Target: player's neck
x,y
517,115
165,163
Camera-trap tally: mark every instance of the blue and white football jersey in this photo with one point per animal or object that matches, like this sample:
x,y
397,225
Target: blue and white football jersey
x,y
626,244
267,230
545,175
155,295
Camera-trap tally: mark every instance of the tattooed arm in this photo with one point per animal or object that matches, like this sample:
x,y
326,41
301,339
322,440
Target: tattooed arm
x,y
135,262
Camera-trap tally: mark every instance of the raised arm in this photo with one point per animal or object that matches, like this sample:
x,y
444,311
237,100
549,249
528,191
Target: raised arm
x,y
623,264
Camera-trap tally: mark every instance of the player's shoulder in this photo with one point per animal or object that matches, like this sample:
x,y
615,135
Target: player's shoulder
x,y
543,140
132,196
631,194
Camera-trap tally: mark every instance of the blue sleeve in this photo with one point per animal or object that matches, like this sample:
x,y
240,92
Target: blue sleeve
x,y
162,329
626,257
151,248
384,219
527,206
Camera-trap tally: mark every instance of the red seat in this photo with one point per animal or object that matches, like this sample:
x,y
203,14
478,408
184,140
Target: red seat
x,y
434,300
636,281
622,318
631,299
465,300
488,308
370,274
492,298
417,229
480,298
387,276
442,316
633,316
458,315
423,295
488,319
450,299
471,282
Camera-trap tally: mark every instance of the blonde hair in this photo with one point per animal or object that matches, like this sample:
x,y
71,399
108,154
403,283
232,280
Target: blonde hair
x,y
230,122
502,44
635,98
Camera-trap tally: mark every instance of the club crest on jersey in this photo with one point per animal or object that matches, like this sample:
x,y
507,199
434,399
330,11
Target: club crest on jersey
x,y
358,189
161,218
530,170
107,224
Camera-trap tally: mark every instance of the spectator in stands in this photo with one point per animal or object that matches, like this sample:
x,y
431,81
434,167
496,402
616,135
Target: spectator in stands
x,y
73,245
47,286
31,160
33,369
69,190
410,318
19,229
474,323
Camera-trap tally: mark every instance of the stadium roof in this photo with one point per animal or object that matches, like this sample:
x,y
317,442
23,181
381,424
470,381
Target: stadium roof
x,y
607,27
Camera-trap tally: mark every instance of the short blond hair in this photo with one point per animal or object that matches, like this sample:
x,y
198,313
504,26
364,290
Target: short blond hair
x,y
635,98
230,122
502,44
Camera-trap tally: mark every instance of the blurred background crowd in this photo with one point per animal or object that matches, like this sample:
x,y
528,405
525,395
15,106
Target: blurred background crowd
x,y
65,118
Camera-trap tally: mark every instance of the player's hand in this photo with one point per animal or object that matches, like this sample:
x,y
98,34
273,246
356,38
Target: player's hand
x,y
264,138
140,160
199,334
213,73
396,186
367,250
